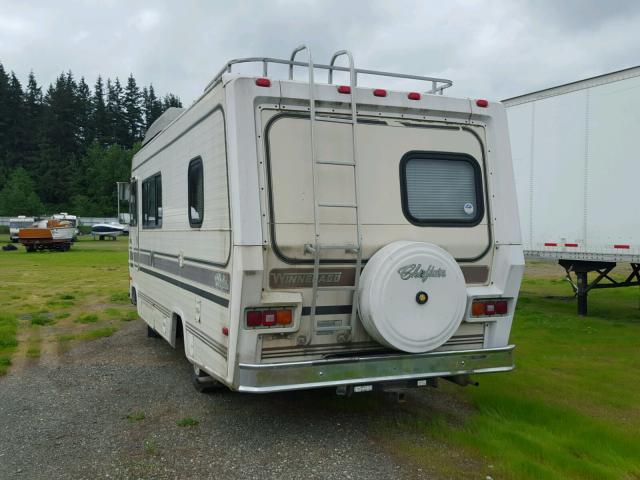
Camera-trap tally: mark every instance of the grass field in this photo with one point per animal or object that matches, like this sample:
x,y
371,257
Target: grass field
x,y
571,410
50,300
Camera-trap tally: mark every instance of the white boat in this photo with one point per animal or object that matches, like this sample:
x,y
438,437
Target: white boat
x,y
113,230
50,234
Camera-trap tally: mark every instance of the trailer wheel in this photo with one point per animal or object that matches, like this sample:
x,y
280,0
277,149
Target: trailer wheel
x,y
204,383
151,333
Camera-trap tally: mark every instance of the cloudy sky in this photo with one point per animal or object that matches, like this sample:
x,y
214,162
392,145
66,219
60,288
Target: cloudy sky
x,y
493,49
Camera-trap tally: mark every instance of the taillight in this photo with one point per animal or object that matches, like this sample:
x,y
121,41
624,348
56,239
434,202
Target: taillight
x,y
488,308
254,318
263,82
269,318
278,317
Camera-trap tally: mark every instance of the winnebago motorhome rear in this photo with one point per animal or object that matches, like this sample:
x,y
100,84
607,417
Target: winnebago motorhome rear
x,y
575,157
305,235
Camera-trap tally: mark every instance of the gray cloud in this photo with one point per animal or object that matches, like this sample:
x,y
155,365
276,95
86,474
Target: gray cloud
x,y
488,48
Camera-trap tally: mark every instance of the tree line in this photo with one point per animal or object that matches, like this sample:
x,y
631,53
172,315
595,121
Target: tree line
x,y
64,149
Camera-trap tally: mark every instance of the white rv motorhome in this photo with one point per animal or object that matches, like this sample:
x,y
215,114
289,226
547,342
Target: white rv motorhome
x,y
15,224
297,235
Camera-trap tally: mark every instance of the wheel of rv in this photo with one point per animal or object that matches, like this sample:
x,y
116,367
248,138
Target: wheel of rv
x,y
204,383
151,333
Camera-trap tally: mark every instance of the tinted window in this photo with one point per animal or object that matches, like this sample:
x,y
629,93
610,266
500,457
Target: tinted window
x,y
441,188
152,202
196,192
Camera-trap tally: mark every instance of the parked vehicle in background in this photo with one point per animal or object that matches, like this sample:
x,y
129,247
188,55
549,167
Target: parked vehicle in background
x,y
15,224
297,235
49,234
110,230
576,161
72,219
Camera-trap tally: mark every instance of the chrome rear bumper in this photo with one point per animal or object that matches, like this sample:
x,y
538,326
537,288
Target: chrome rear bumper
x,y
274,377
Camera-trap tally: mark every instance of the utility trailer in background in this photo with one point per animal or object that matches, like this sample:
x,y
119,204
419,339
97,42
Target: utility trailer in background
x,y
576,157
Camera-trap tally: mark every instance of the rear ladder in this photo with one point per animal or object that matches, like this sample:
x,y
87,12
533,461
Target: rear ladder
x,y
318,245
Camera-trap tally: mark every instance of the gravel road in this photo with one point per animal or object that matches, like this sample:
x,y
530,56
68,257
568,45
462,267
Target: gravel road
x,y
66,417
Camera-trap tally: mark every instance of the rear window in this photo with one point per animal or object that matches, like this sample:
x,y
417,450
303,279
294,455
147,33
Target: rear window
x,y
441,189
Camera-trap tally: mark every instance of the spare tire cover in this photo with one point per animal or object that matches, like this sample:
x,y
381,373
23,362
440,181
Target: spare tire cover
x,y
412,296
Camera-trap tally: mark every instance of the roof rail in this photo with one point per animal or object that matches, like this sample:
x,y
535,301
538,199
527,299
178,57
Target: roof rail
x,y
437,84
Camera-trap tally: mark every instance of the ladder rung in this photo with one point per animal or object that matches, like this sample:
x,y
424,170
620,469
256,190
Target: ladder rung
x,y
347,288
333,120
338,205
331,162
331,329
339,246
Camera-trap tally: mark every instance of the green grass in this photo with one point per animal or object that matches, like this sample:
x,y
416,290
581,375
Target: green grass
x,y
66,337
112,312
97,333
87,318
8,340
151,447
136,416
47,291
119,297
129,315
187,422
33,347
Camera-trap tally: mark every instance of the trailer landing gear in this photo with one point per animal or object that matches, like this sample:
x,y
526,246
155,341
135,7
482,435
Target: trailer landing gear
x,y
581,285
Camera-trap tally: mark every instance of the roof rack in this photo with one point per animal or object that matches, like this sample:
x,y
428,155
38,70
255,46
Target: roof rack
x,y
437,84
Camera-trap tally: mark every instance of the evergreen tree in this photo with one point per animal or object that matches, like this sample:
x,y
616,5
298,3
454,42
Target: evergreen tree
x,y
84,108
117,122
15,130
100,118
18,197
76,143
132,104
33,121
5,121
170,100
153,107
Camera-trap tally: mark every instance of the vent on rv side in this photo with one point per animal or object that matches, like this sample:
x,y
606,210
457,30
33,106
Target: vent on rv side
x,y
162,122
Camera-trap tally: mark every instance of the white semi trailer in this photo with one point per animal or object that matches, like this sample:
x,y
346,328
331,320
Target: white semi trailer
x,y
576,156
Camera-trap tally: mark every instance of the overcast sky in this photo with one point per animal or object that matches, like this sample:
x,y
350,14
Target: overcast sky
x,y
493,49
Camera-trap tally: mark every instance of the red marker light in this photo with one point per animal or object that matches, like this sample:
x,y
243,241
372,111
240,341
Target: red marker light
x,y
414,96
344,89
482,103
380,92
225,331
263,82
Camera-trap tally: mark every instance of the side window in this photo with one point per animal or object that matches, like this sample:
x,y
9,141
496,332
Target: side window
x,y
152,202
441,189
133,204
196,192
